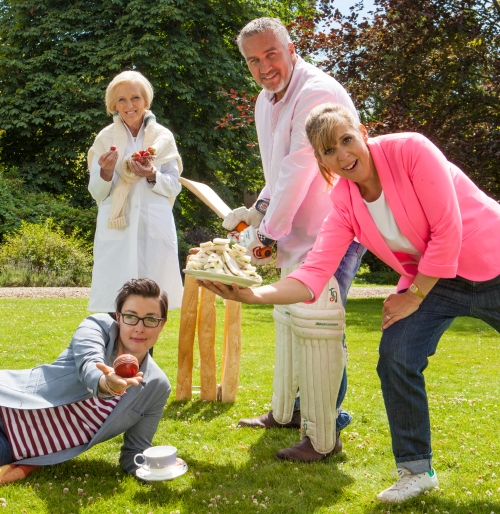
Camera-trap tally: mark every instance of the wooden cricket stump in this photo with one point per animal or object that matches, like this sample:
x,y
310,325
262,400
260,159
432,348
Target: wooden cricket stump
x,y
198,310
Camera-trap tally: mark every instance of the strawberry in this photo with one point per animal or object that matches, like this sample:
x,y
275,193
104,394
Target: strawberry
x,y
144,156
113,148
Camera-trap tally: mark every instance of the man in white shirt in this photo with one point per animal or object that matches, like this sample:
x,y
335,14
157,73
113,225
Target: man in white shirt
x,y
290,210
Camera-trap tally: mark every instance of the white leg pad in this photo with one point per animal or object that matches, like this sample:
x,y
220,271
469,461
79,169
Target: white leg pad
x,y
318,331
286,379
286,373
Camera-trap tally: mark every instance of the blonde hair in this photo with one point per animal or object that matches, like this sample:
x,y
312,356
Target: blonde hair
x,y
320,127
130,77
261,25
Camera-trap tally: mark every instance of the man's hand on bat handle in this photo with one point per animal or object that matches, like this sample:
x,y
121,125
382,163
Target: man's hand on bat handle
x,y
252,217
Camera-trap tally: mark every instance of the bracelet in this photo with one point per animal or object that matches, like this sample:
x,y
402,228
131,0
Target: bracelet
x,y
113,393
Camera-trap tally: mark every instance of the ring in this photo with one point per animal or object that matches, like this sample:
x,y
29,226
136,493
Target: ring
x,y
388,317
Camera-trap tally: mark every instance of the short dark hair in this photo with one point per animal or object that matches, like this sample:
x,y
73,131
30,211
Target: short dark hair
x,y
146,288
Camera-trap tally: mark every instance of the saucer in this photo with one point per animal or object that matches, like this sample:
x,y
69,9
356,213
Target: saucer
x,y
178,469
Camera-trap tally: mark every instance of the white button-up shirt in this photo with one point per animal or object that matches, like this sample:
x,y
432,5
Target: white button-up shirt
x,y
299,201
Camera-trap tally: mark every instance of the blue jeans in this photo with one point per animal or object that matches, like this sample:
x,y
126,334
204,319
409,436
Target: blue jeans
x,y
5,449
403,356
348,267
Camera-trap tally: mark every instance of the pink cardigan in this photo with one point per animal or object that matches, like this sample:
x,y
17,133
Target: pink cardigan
x,y
437,207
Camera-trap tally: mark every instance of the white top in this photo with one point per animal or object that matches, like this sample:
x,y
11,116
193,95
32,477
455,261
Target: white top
x,y
299,201
388,228
147,246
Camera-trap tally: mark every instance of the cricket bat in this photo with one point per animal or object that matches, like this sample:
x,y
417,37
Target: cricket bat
x,y
210,198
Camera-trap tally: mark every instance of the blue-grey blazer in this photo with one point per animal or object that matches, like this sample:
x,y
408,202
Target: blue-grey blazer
x,y
74,377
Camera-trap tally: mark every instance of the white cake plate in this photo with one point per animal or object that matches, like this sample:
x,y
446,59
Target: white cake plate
x,y
219,277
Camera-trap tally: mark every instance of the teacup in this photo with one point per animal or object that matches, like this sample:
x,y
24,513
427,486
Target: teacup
x,y
157,459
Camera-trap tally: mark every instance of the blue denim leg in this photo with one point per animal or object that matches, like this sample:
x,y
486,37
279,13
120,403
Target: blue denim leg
x,y
348,267
404,351
5,449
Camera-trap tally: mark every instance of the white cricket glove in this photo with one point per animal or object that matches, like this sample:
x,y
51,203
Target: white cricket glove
x,y
258,246
252,217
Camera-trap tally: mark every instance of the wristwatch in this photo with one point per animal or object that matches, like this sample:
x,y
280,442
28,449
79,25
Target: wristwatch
x,y
415,290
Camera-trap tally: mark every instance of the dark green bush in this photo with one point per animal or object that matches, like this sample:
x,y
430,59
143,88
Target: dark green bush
x,y
18,203
374,271
192,238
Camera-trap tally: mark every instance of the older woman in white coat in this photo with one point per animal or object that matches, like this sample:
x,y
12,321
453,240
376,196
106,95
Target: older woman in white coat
x,y
135,234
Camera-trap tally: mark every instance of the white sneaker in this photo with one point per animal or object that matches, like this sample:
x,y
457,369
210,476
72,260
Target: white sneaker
x,y
408,486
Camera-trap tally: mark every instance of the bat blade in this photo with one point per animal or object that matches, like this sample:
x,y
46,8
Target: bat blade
x,y
208,196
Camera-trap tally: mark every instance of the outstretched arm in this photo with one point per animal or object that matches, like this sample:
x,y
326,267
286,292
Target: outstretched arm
x,y
282,292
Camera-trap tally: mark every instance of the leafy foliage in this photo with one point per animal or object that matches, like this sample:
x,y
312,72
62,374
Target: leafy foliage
x,y
431,66
191,239
374,271
18,204
57,58
44,249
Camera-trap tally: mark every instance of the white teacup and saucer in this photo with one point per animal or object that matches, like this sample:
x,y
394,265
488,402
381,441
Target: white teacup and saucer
x,y
159,463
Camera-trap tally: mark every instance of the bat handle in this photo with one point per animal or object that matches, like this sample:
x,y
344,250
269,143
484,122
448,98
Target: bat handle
x,y
241,226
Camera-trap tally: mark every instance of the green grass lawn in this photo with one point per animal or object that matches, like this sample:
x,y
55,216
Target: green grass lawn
x,y
233,470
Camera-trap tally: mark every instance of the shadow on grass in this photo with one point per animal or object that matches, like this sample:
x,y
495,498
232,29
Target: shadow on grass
x,y
249,477
196,410
262,481
75,484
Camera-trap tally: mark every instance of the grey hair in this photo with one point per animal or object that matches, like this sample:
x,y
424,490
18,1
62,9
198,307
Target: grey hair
x,y
128,77
261,25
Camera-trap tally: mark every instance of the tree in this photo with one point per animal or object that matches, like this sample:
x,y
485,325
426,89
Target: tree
x,y
431,66
57,58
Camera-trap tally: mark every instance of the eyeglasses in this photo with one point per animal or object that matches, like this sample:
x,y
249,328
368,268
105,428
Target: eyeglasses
x,y
149,322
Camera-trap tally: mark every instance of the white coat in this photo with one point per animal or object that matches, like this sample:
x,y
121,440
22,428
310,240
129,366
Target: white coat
x,y
147,246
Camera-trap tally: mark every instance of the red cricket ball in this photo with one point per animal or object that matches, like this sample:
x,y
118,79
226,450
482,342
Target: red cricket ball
x,y
113,148
126,365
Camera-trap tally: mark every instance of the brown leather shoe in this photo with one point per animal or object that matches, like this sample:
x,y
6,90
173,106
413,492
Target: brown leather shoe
x,y
303,451
267,421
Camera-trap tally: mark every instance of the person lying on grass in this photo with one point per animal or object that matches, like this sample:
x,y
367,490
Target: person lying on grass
x,y
54,412
420,214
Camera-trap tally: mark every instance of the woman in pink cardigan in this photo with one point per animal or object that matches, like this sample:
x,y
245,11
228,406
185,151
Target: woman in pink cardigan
x,y
400,197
